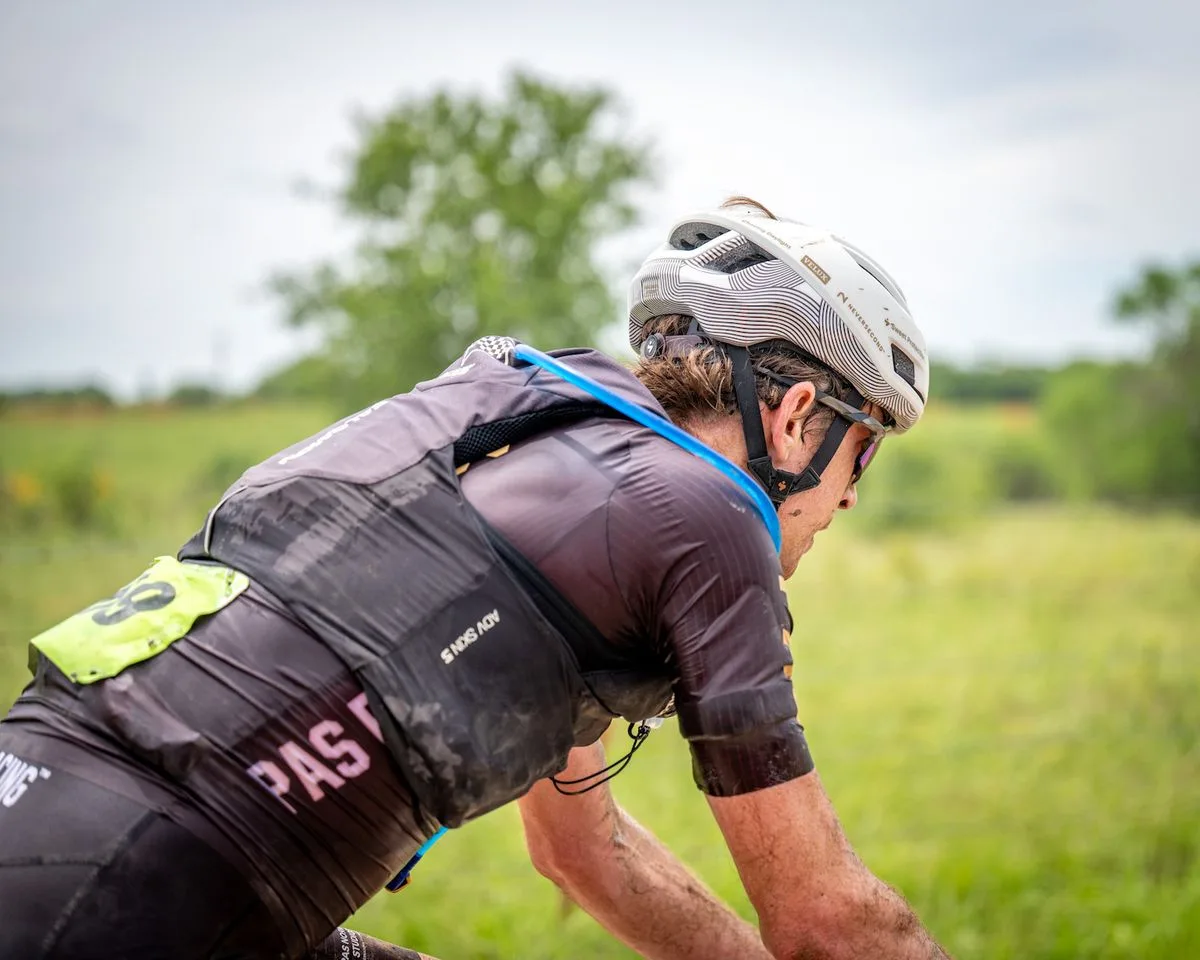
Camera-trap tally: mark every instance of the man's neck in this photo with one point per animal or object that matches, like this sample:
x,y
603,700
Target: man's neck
x,y
722,433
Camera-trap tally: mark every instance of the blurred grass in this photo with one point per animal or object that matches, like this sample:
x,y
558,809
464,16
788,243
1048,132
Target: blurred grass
x,y
1002,700
162,467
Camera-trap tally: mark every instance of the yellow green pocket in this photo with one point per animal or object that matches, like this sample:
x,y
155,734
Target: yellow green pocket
x,y
140,621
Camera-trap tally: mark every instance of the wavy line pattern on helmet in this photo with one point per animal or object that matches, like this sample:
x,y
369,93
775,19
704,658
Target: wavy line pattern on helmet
x,y
722,249
767,301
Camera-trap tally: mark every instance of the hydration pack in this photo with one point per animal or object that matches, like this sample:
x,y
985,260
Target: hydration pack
x,y
481,675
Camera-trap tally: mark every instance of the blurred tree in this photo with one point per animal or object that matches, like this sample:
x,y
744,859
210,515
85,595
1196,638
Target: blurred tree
x,y
1169,303
989,382
480,216
309,378
88,395
1168,300
194,395
1131,431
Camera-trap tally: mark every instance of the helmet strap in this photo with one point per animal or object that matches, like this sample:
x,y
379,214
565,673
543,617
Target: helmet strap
x,y
779,484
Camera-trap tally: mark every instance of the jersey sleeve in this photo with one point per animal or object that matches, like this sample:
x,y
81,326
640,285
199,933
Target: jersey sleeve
x,y
706,583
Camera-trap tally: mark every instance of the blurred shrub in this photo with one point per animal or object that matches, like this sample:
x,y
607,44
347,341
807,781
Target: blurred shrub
x,y
77,494
87,396
921,486
82,494
1120,438
956,466
194,395
988,382
309,378
1023,467
219,474
23,501
1130,432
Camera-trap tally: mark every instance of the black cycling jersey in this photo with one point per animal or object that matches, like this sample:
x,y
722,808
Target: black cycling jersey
x,y
254,736
655,550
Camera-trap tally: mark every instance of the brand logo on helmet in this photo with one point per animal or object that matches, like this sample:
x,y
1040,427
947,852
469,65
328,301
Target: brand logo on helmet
x,y
904,336
815,268
778,239
861,319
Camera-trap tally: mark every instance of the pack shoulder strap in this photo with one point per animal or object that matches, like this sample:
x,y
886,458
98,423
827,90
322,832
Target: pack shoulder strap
x,y
485,438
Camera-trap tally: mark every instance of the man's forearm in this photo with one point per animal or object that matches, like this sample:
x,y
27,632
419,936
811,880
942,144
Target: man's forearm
x,y
625,878
844,912
889,928
814,897
844,915
647,899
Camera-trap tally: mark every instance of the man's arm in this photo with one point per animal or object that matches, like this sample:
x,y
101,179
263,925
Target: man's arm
x,y
624,877
814,897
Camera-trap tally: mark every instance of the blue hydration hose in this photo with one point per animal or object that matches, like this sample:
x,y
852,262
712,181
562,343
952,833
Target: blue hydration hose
x,y
661,425
401,878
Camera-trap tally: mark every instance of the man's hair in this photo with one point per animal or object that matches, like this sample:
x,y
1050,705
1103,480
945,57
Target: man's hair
x,y
700,384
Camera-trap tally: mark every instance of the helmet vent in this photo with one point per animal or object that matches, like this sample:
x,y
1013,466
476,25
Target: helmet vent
x,y
902,363
734,255
747,258
689,236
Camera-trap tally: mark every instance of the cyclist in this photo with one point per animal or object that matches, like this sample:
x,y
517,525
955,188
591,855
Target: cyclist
x,y
438,605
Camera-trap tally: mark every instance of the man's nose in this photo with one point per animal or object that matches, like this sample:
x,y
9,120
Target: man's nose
x,y
849,498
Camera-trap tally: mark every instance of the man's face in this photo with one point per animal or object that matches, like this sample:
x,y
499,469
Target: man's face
x,y
803,515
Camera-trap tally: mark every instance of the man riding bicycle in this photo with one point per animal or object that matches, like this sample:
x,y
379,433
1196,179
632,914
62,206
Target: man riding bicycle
x,y
438,605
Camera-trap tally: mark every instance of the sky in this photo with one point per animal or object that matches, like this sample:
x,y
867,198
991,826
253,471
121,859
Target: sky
x,y
1010,164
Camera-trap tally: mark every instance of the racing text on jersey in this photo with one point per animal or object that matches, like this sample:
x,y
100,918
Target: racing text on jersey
x,y
329,757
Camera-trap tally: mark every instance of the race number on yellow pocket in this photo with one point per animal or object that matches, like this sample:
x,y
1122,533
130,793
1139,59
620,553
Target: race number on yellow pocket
x,y
140,621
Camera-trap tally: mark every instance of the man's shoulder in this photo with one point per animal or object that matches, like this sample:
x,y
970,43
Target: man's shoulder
x,y
673,494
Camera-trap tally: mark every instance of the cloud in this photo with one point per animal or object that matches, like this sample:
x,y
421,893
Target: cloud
x,y
1010,165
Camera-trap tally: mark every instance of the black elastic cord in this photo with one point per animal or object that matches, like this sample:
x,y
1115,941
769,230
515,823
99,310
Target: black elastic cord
x,y
638,736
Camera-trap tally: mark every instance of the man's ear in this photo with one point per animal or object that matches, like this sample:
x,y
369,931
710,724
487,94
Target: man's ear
x,y
784,425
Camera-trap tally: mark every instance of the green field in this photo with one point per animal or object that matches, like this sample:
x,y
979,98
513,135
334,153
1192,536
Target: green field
x,y
1005,707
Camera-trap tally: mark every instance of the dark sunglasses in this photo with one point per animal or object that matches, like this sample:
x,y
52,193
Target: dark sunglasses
x,y
844,410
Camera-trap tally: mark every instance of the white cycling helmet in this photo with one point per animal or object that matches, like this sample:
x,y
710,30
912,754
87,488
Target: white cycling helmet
x,y
748,278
